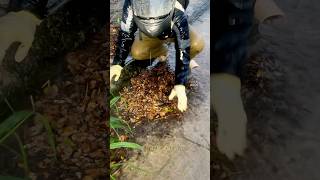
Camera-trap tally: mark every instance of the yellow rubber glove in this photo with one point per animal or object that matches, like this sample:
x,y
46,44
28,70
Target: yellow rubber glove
x,y
17,27
180,92
232,119
115,70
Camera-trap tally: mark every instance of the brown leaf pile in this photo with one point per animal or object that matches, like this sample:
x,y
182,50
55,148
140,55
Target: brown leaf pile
x,y
258,73
76,109
148,96
263,78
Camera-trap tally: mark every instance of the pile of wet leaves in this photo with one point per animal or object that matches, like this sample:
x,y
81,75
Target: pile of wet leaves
x,y
75,106
147,97
262,80
262,70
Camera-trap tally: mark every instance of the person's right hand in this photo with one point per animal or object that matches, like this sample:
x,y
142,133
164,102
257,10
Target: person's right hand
x,y
115,70
180,92
232,118
17,27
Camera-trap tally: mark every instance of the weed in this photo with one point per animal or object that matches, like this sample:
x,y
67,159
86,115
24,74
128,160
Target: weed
x,y
117,124
9,126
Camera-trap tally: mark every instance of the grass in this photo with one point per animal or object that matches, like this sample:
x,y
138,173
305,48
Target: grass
x,y
9,127
116,124
23,154
44,120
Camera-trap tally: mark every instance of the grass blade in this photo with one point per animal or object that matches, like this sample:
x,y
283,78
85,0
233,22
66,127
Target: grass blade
x,y
50,134
125,145
12,178
115,165
115,123
113,178
114,140
114,100
23,154
9,125
9,105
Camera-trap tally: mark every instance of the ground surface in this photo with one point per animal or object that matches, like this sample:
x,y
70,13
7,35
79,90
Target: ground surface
x,y
75,106
181,151
284,143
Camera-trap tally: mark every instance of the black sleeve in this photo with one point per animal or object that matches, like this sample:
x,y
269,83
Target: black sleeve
x,y
184,3
182,47
232,22
36,7
126,35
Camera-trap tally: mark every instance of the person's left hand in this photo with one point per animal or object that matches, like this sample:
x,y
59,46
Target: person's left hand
x,y
180,92
17,27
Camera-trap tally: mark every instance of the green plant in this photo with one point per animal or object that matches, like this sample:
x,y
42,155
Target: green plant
x,y
117,124
125,145
9,126
11,178
44,120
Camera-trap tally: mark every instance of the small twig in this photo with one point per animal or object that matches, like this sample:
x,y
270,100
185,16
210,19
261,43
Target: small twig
x,y
116,132
32,104
47,83
9,105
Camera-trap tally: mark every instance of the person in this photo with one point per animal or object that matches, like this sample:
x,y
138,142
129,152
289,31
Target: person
x,y
233,20
158,22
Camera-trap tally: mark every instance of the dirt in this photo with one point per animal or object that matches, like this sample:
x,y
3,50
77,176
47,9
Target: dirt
x,y
59,33
283,127
75,106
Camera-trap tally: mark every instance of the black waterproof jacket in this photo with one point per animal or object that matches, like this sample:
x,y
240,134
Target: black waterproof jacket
x,y
40,8
232,22
179,31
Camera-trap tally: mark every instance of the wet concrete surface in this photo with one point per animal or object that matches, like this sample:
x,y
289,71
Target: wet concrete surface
x,y
289,141
184,152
